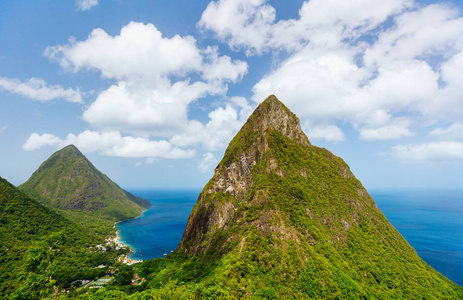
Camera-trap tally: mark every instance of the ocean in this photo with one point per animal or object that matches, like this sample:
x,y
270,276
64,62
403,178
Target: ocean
x,y
430,220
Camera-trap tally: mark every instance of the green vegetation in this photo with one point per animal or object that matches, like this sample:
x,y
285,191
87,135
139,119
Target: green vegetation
x,y
41,251
282,219
70,184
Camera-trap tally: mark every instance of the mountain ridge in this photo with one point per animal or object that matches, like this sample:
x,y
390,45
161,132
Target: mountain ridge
x,y
68,182
276,205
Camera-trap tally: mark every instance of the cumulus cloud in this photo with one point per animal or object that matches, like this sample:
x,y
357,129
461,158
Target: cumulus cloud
x,y
36,141
222,67
154,79
84,5
437,152
111,144
138,109
223,124
37,89
330,133
383,68
251,25
140,52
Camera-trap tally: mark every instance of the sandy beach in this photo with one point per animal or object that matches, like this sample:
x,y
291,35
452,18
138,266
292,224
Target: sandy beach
x,y
125,258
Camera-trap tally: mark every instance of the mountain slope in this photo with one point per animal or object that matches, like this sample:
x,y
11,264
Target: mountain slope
x,y
285,218
40,249
69,183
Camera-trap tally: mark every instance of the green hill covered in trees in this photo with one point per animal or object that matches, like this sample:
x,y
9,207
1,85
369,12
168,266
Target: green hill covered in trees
x,y
69,183
40,250
283,219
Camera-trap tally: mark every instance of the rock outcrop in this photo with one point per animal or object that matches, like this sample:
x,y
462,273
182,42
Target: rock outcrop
x,y
280,213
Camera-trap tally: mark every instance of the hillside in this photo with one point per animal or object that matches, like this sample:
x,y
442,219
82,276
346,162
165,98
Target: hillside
x,y
69,183
40,249
282,218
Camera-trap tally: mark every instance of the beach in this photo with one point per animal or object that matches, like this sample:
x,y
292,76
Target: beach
x,y
125,258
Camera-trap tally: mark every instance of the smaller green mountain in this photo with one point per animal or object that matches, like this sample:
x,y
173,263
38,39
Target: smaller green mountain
x,y
40,249
69,183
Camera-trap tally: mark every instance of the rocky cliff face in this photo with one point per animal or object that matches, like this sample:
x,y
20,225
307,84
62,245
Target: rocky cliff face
x,y
233,180
280,212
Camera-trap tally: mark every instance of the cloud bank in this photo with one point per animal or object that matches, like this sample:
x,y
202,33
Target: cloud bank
x,y
386,69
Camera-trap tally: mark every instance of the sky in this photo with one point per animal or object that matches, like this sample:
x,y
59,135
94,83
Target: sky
x,y
153,91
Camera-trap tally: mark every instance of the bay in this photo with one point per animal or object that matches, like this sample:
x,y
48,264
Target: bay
x,y
158,230
430,220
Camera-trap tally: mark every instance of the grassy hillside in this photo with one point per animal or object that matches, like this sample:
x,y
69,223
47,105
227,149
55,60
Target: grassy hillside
x,y
70,184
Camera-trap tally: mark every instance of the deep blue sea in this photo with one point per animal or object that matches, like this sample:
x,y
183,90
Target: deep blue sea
x,y
431,221
159,230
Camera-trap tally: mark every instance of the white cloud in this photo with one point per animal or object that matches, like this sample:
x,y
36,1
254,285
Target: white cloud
x,y
422,32
111,144
239,22
36,141
385,133
37,89
208,163
252,25
446,105
157,78
84,5
357,69
138,52
222,67
438,152
330,133
3,128
453,132
216,134
137,109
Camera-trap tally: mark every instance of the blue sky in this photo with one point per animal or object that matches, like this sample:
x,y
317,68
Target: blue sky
x,y
152,91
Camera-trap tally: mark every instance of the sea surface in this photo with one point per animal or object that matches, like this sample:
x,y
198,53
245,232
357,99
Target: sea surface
x,y
158,230
430,220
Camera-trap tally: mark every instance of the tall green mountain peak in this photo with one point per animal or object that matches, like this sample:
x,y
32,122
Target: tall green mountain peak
x,y
284,218
68,182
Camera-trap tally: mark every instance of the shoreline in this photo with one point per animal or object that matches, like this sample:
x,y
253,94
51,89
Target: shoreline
x,y
125,258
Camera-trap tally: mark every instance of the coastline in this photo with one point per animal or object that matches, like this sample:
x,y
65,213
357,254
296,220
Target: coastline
x,y
125,258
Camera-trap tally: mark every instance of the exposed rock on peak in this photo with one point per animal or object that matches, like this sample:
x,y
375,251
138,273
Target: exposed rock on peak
x,y
289,214
274,115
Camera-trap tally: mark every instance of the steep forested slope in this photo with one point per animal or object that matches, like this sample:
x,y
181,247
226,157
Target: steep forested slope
x,y
69,183
40,249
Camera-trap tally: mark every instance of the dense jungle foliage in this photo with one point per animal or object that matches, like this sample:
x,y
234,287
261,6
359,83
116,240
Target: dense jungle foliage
x,y
303,228
41,251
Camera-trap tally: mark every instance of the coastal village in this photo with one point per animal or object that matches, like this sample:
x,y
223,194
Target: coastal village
x,y
111,272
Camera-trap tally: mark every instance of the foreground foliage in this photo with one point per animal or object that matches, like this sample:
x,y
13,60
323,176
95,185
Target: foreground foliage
x,y
41,251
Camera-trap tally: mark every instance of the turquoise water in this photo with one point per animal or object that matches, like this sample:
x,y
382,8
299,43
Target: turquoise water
x,y
431,221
